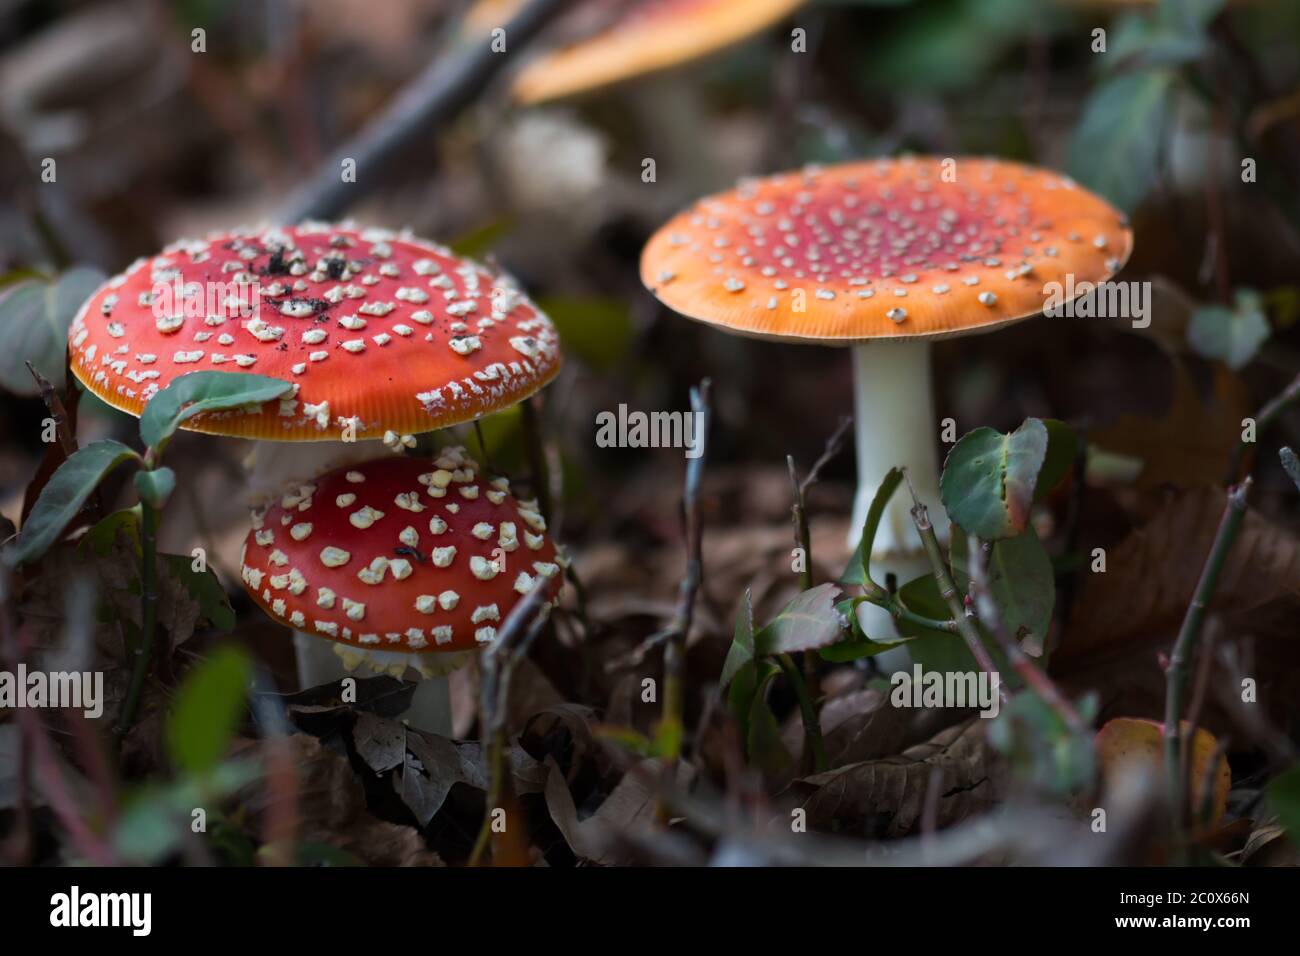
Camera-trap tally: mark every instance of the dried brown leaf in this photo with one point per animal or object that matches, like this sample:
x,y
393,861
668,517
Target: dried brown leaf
x,y
1193,442
629,810
332,810
886,795
432,765
1151,575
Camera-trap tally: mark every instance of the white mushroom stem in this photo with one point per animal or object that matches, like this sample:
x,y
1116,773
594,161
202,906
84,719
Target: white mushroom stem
x,y
895,426
273,466
324,662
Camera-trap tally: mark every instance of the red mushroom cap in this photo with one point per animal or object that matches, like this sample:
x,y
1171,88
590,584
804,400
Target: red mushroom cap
x,y
399,554
890,248
380,331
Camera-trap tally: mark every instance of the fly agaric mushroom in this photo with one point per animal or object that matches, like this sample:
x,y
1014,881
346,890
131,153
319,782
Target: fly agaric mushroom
x,y
400,563
382,334
886,256
634,38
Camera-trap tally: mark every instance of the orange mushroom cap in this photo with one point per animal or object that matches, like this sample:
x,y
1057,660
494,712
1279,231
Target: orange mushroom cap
x,y
378,330
398,554
644,37
884,249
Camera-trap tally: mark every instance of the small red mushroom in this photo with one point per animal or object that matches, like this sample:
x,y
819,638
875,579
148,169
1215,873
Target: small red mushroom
x,y
399,562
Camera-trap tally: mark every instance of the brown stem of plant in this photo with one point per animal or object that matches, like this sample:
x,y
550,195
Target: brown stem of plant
x,y
1034,677
1185,646
54,405
512,643
814,749
948,590
496,749
808,690
801,537
143,651
482,447
672,721
1264,419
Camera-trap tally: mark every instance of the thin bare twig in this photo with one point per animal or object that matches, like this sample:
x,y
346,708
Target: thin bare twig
x,y
832,448
1188,637
670,725
1033,676
1264,418
54,404
807,688
965,623
1250,718
799,489
483,447
512,643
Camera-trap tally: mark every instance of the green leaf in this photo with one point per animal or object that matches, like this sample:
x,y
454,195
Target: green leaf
x,y
949,44
208,708
34,319
1188,16
741,651
1062,450
63,497
988,481
1144,42
204,587
1116,146
764,744
857,644
1021,580
859,569
740,694
809,621
200,392
100,538
941,650
598,331
1231,336
922,596
155,487
1041,749
1283,794
155,820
